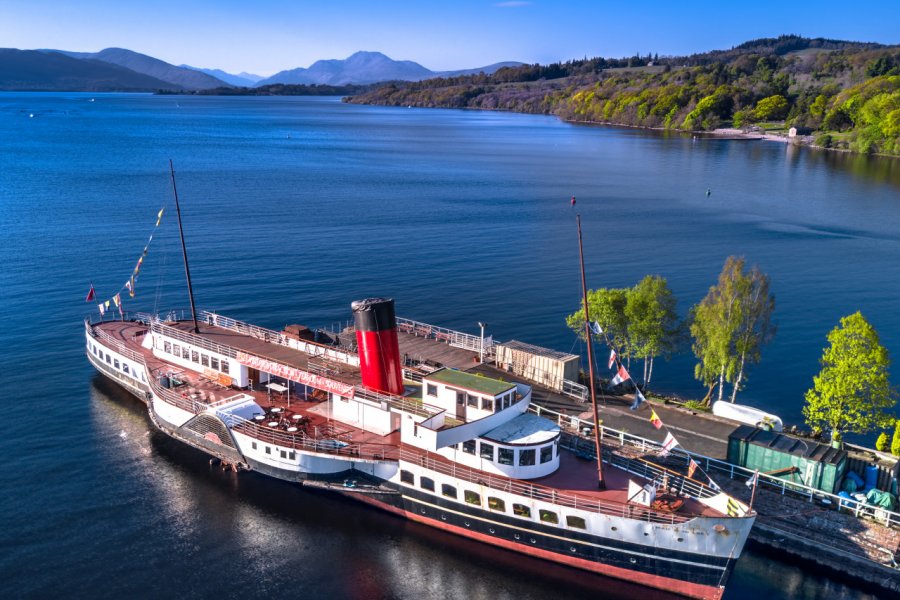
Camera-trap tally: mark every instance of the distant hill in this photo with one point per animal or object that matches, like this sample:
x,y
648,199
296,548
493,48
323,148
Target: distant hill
x,y
182,78
239,80
364,68
833,93
36,70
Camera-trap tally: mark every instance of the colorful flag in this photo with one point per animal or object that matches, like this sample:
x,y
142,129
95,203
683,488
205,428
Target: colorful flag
x,y
612,358
638,399
130,285
106,305
573,200
117,299
159,215
595,328
90,295
692,468
753,480
102,309
669,444
654,418
620,377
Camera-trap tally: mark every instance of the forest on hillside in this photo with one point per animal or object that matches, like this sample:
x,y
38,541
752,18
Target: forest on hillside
x,y
846,94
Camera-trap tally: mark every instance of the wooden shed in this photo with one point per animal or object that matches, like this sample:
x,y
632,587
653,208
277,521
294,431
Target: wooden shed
x,y
540,365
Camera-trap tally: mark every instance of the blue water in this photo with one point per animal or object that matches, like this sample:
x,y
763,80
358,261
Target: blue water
x,y
293,207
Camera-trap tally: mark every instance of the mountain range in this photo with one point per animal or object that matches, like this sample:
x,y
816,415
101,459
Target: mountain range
x,y
119,69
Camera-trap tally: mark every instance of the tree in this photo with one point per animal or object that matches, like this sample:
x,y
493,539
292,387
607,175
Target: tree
x,y
653,326
756,305
882,444
852,392
895,441
773,107
607,307
715,322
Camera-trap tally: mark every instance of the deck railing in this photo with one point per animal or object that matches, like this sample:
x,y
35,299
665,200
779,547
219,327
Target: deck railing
x,y
333,443
454,338
539,492
721,467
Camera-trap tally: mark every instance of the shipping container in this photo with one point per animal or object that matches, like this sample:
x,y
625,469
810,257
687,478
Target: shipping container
x,y
799,461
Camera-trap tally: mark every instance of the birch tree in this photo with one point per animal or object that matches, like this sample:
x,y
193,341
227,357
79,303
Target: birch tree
x,y
755,328
653,326
607,307
715,322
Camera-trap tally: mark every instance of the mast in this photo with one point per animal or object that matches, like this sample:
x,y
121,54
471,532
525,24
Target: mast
x,y
187,270
590,350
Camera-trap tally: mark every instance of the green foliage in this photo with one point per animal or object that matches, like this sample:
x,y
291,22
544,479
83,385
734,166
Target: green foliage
x,y
731,324
824,140
696,405
757,81
640,322
771,108
882,444
895,441
852,392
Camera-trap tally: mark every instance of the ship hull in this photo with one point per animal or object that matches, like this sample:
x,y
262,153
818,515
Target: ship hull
x,y
689,575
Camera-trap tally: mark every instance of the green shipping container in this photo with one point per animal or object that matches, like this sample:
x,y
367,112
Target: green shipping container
x,y
816,465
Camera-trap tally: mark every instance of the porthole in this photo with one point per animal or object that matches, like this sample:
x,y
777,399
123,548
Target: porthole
x,y
443,517
491,529
533,541
573,549
680,539
633,561
423,511
646,534
516,536
614,528
466,523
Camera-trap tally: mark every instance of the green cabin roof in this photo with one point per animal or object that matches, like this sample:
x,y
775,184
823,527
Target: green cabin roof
x,y
470,382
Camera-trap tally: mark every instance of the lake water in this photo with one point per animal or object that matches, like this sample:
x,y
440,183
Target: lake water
x,y
294,207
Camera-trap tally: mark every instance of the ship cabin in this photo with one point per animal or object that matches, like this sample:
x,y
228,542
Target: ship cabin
x,y
482,424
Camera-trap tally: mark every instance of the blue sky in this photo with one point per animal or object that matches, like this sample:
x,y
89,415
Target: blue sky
x,y
265,36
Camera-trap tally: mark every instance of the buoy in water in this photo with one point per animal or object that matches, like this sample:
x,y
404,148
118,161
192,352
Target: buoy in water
x,y
708,192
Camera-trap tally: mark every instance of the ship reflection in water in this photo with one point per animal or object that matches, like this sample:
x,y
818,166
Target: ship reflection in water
x,y
243,533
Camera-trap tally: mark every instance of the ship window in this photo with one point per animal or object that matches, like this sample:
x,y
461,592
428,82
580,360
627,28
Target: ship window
x,y
448,490
224,366
108,358
526,457
186,353
487,404
431,390
292,455
546,454
506,456
407,477
125,368
460,398
426,483
472,400
472,497
144,379
204,360
576,522
167,347
468,446
214,362
284,454
548,516
176,349
520,510
116,363
496,504
253,445
268,450
195,356
487,451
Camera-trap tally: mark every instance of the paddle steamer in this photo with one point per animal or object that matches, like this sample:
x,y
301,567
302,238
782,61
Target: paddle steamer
x,y
453,449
